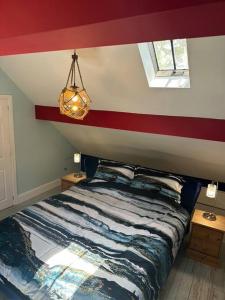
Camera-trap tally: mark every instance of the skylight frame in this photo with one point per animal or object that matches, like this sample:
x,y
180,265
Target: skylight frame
x,y
175,71
166,78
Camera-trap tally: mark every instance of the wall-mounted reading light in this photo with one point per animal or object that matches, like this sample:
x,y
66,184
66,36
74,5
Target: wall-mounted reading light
x,y
212,190
211,193
77,157
77,161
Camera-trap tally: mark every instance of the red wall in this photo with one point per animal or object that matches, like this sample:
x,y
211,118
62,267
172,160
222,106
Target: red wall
x,y
197,128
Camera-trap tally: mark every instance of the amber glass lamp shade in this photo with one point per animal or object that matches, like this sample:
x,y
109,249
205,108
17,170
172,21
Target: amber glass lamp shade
x,y
74,102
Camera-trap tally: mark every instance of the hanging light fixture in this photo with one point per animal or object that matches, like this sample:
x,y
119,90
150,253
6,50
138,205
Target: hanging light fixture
x,y
74,102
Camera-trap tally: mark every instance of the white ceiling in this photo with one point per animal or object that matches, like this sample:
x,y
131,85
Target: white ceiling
x,y
182,155
115,80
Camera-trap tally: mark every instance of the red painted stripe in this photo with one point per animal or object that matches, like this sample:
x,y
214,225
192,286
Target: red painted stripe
x,y
198,128
140,24
28,17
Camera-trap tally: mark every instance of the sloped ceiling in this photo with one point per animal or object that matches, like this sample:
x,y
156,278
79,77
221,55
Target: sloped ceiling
x,y
47,25
115,80
194,157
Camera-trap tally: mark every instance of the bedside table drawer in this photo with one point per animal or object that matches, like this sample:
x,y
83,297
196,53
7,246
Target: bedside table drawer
x,y
205,233
206,238
205,246
205,259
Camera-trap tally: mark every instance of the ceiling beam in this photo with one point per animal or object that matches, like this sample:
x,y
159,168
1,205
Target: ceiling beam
x,y
47,25
188,127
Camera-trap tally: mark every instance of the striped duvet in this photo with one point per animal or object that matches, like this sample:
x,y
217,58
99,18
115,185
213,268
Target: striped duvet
x,y
98,240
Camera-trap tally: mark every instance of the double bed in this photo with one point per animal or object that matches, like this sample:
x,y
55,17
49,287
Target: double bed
x,y
99,240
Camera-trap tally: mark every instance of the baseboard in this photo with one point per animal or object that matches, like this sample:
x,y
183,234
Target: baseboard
x,y
37,191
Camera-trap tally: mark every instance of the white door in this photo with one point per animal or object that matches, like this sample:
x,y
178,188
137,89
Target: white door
x,y
6,161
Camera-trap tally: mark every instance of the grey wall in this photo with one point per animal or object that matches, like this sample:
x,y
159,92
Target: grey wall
x,y
42,153
216,205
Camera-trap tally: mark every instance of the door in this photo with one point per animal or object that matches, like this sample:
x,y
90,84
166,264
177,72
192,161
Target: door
x,y
6,153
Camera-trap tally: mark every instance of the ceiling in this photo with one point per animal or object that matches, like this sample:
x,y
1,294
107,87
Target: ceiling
x,y
199,158
115,80
47,25
79,12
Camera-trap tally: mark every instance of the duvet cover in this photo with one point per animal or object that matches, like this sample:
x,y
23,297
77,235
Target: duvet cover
x,y
99,240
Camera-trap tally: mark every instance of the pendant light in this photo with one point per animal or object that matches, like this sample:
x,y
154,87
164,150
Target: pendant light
x,y
74,102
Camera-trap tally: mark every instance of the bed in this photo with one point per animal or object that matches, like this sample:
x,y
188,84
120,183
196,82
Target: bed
x,y
99,240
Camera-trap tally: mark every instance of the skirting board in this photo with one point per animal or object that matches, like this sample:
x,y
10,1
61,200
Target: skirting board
x,y
37,191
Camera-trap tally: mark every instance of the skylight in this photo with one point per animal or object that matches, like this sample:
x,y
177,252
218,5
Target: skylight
x,y
166,63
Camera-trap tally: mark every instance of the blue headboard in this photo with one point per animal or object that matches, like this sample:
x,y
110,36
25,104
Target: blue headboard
x,y
190,191
90,163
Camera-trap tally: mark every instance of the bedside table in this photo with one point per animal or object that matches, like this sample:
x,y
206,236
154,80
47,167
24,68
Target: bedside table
x,y
206,239
69,180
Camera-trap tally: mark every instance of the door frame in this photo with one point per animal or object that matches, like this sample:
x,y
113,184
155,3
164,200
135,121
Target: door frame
x,y
8,98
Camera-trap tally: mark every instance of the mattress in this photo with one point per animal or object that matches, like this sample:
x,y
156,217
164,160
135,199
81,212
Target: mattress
x,y
98,240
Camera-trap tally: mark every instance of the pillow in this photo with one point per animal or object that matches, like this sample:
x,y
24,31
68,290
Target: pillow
x,y
159,178
114,171
167,184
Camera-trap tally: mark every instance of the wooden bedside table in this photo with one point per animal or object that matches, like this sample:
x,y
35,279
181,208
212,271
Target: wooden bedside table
x,y
69,180
206,239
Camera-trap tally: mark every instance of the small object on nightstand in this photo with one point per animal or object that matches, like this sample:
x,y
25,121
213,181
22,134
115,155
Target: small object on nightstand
x,y
211,193
70,180
206,239
209,216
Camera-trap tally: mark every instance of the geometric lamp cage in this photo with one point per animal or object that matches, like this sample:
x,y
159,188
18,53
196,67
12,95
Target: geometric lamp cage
x,y
74,102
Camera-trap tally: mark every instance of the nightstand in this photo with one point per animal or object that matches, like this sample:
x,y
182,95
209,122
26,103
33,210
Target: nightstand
x,y
70,180
206,239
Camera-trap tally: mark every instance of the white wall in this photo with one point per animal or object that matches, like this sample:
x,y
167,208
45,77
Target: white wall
x,y
42,153
115,79
193,157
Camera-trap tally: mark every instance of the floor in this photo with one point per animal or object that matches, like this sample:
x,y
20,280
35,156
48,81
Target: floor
x,y
12,210
191,280
188,280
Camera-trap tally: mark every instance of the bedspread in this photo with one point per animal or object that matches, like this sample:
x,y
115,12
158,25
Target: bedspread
x,y
98,240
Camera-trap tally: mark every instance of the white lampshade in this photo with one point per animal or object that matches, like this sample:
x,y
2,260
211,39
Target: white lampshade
x,y
77,158
211,190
